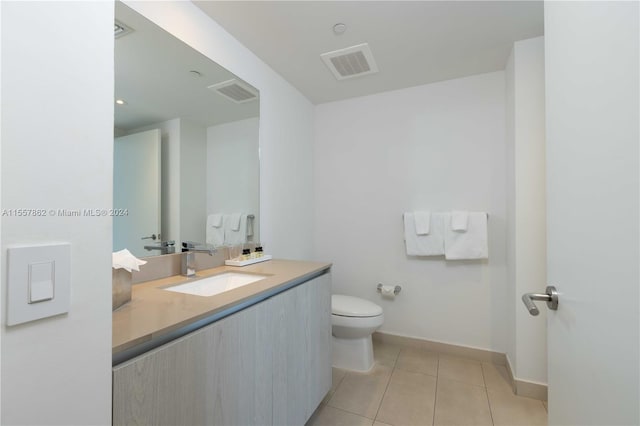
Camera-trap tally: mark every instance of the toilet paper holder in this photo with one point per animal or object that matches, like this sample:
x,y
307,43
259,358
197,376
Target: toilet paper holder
x,y
396,289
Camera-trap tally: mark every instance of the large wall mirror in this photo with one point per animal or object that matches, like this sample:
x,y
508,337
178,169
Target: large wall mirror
x,y
186,164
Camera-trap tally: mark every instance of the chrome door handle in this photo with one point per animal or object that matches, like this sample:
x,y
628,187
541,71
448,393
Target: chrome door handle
x,y
152,237
551,297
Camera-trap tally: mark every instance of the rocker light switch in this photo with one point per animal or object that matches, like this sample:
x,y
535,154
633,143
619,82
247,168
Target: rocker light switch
x,y
39,281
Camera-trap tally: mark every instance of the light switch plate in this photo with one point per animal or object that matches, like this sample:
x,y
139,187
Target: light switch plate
x,y
39,281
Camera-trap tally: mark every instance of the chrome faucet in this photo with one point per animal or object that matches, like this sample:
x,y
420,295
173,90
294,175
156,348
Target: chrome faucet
x,y
189,250
165,247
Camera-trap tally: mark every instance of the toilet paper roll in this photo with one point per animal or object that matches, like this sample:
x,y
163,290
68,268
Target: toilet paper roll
x,y
388,292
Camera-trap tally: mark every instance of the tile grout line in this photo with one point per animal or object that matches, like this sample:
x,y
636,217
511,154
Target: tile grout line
x,y
486,392
395,361
352,413
335,390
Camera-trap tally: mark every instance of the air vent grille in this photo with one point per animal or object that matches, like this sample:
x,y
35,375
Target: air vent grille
x,y
235,90
351,62
120,29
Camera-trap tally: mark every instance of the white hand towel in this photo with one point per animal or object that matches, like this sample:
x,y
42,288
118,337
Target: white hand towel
x,y
422,222
214,234
459,220
471,244
239,234
234,221
215,220
424,245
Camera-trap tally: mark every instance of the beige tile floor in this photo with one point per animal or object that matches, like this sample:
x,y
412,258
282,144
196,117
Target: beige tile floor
x,y
411,387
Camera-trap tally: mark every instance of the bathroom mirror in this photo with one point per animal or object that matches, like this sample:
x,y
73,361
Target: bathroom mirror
x,y
185,140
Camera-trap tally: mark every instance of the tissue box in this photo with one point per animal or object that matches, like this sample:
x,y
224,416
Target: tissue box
x,y
121,281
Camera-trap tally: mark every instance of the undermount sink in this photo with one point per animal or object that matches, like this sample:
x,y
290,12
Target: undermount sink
x,y
216,284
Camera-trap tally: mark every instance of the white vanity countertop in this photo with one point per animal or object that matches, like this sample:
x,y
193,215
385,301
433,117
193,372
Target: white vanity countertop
x,y
154,312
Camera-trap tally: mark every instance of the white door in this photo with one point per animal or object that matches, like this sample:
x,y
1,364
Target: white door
x,y
592,91
136,192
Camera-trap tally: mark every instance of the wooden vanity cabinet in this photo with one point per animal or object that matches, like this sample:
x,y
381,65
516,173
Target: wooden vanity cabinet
x,y
269,364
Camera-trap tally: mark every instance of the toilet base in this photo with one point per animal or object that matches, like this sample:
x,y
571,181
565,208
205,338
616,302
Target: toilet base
x,y
353,354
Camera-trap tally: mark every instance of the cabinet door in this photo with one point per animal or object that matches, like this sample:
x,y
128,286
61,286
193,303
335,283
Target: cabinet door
x,y
219,375
302,350
319,342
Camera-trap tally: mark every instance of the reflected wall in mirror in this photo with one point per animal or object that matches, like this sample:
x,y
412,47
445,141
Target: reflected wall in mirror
x,y
200,182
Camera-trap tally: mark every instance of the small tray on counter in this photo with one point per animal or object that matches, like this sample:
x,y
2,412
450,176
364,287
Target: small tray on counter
x,y
235,262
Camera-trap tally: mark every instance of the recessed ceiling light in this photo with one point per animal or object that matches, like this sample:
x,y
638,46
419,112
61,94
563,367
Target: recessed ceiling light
x,y
339,29
121,102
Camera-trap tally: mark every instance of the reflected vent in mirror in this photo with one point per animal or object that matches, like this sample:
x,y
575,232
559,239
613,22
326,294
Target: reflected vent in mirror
x,y
120,29
235,90
353,61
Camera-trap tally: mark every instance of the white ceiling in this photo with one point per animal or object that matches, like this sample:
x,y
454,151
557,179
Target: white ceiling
x,y
152,75
413,42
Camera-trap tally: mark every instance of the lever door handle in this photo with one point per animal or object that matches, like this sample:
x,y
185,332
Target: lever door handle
x,y
151,237
550,296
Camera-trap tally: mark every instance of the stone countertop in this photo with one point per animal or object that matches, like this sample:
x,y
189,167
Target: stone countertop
x,y
154,312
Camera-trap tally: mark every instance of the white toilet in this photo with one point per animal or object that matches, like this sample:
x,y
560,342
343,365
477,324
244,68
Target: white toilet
x,y
353,321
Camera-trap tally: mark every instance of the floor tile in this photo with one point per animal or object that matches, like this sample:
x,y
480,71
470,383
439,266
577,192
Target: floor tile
x,y
329,416
510,409
546,407
376,423
460,403
417,360
409,399
361,393
385,354
461,370
496,377
337,374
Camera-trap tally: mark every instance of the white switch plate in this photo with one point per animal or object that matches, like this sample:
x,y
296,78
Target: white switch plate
x,y
39,281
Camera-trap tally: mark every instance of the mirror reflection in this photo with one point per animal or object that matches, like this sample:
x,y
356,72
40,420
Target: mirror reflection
x,y
186,164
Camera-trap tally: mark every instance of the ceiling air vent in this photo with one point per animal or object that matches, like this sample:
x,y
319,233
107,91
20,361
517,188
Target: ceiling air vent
x,y
353,61
235,90
120,29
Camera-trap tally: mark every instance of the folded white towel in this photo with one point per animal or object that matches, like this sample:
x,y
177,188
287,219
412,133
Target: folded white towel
x,y
471,244
234,221
422,222
424,245
459,220
235,230
215,220
214,234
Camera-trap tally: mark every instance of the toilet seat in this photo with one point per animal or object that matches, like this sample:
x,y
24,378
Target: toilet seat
x,y
349,306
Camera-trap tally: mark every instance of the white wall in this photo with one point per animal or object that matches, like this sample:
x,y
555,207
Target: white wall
x,y
57,152
233,169
527,203
286,127
438,147
193,175
510,313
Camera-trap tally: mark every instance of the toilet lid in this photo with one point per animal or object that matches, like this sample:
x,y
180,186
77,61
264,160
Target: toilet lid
x,y
349,306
